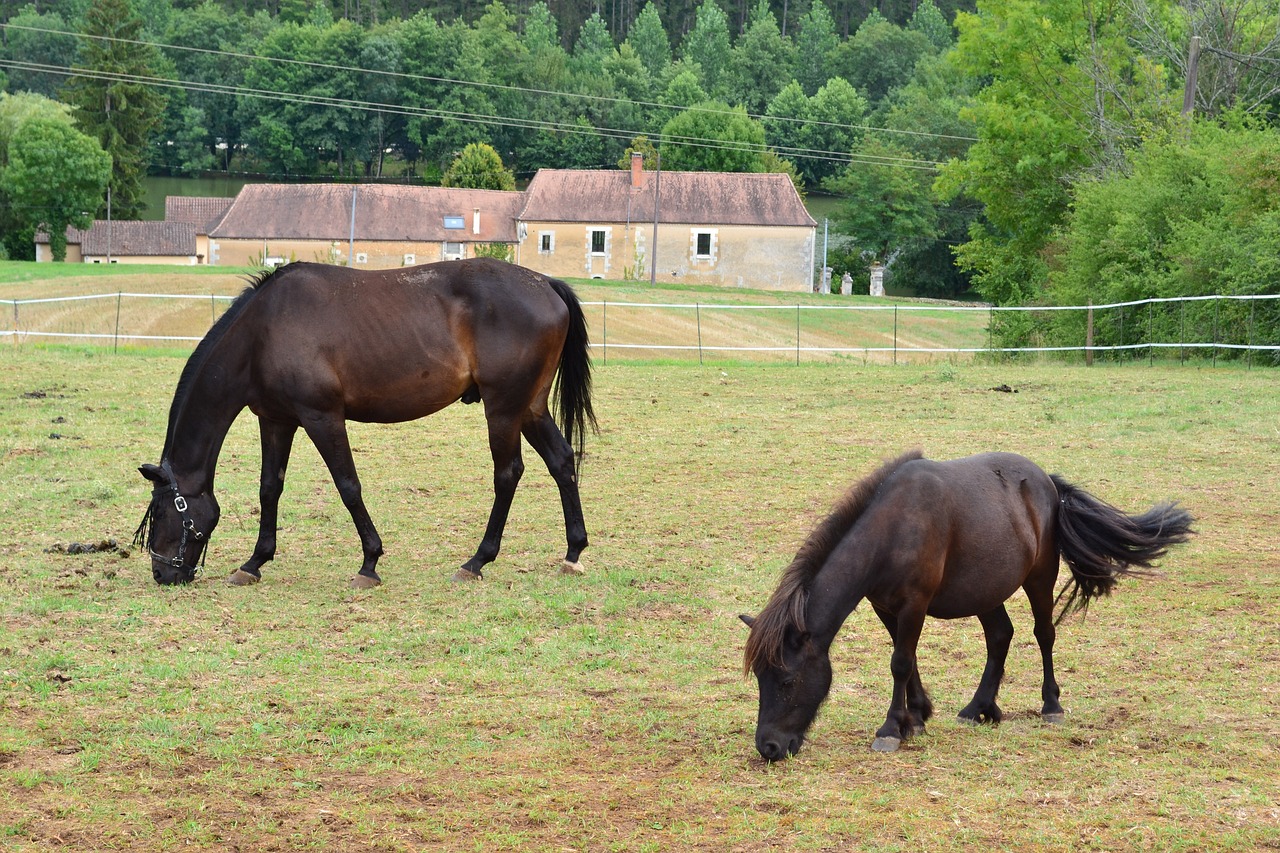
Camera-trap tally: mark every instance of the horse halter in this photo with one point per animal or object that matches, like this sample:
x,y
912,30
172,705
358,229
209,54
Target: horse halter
x,y
188,525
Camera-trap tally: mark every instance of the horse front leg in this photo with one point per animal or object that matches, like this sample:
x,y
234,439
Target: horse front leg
x,y
545,438
277,443
329,434
919,705
898,725
508,467
998,629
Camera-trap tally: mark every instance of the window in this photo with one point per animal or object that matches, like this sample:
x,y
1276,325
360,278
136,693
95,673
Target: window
x,y
704,245
597,241
546,242
454,223
452,251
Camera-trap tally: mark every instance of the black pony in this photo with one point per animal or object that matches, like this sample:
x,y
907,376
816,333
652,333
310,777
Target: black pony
x,y
314,345
944,539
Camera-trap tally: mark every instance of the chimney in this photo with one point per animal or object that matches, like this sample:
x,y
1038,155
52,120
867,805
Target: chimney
x,y
637,169
475,221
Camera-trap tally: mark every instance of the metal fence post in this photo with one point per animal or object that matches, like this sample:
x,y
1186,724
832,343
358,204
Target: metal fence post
x,y
697,314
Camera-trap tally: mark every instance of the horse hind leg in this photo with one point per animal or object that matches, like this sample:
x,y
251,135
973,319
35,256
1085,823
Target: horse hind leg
x,y
545,438
277,442
1040,595
508,468
999,634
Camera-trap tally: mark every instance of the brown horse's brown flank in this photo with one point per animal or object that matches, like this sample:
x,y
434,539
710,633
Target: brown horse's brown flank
x,y
787,604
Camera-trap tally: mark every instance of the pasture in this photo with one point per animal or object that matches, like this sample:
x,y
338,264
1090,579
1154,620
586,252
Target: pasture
x,y
535,711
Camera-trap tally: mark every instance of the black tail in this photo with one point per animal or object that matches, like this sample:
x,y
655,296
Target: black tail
x,y
572,393
1099,543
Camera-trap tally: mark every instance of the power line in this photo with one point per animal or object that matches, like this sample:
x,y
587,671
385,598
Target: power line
x,y
501,121
496,86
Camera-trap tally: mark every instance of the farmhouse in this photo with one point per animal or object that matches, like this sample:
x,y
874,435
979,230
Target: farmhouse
x,y
731,229
128,242
372,226
741,230
202,212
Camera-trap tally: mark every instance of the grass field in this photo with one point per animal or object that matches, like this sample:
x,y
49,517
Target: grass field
x,y
534,711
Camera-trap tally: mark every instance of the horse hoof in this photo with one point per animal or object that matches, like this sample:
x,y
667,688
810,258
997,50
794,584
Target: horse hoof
x,y
1054,718
242,578
463,575
568,568
364,582
886,744
968,721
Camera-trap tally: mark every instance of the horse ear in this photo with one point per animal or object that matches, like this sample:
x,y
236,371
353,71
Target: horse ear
x,y
747,620
152,473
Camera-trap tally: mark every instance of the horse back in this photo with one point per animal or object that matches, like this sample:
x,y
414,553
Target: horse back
x,y
395,345
968,531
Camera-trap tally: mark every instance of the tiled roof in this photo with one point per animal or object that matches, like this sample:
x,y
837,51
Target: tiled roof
x,y
382,212
202,212
130,237
699,198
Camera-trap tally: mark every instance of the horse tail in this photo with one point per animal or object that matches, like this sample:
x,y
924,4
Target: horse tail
x,y
1100,543
571,396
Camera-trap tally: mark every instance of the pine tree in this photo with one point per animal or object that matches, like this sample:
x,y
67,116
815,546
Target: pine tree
x,y
111,103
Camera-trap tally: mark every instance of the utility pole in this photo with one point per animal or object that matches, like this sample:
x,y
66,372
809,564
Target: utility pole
x,y
653,250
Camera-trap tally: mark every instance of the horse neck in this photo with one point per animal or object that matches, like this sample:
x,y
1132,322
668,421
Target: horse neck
x,y
214,396
839,585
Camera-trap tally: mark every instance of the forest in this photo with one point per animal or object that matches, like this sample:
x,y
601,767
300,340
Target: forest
x,y
1027,152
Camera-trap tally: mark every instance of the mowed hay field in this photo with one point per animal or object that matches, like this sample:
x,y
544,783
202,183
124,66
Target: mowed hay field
x,y
534,711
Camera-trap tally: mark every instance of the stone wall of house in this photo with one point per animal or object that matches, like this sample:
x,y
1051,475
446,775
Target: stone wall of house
x,y
773,258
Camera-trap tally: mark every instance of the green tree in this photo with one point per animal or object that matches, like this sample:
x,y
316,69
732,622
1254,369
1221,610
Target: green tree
x,y
890,209
650,42
708,47
1196,215
55,177
928,21
36,47
816,43
879,57
432,55
478,166
1047,116
713,137
111,105
212,33
756,60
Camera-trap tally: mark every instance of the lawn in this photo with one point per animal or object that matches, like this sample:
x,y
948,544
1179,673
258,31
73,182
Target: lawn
x,y
536,711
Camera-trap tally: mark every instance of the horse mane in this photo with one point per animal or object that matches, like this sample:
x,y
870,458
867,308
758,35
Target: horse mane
x,y
787,605
255,282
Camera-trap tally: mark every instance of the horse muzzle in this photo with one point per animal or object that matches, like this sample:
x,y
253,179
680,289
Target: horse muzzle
x,y
167,575
776,746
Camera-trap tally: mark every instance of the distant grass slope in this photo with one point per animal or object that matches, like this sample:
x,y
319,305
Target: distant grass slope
x,y
628,320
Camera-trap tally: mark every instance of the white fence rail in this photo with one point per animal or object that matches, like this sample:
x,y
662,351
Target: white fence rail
x,y
1246,326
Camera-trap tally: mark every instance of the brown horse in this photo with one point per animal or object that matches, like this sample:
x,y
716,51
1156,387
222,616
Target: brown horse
x,y
313,346
944,539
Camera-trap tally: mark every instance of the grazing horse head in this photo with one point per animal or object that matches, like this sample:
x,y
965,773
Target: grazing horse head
x,y
788,653
794,682
176,527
